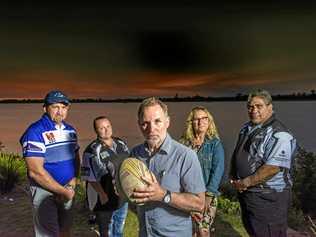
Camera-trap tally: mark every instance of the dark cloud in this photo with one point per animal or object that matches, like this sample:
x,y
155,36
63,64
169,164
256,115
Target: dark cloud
x,y
168,51
115,45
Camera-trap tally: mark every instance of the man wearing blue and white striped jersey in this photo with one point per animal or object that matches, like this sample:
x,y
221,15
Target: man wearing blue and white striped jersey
x,y
261,169
51,152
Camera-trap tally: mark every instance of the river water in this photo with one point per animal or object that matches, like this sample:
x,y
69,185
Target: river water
x,y
229,117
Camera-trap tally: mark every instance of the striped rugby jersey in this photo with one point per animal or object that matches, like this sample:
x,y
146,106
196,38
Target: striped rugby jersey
x,y
56,145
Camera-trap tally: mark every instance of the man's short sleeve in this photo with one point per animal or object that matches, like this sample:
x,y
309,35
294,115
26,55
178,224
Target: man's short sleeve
x,y
87,173
124,145
280,150
33,144
192,177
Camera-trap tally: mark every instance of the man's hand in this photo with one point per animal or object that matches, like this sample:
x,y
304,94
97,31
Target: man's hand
x,y
70,193
115,188
240,184
196,216
35,167
152,192
103,198
72,183
264,173
67,195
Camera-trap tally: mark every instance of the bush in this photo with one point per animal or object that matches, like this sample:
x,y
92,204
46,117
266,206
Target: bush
x,y
12,169
229,207
304,187
81,193
1,146
296,219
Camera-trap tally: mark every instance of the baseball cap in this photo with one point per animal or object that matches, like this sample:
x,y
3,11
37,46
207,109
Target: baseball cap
x,y
56,97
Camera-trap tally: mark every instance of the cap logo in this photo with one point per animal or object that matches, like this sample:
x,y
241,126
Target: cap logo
x,y
58,94
56,97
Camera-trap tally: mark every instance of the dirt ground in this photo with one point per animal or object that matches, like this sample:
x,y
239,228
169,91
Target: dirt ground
x,y
16,216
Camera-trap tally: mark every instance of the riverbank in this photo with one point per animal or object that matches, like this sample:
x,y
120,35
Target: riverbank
x,y
16,219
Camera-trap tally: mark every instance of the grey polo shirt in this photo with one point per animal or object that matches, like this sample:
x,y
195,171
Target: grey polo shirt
x,y
177,169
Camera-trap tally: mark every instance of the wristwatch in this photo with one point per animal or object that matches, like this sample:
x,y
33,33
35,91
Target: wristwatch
x,y
167,198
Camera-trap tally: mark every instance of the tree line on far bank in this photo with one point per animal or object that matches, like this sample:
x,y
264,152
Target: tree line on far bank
x,y
298,96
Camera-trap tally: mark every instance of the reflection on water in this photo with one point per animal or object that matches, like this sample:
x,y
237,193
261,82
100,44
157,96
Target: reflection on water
x,y
229,117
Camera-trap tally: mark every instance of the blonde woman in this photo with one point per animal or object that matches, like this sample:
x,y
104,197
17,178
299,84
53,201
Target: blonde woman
x,y
201,135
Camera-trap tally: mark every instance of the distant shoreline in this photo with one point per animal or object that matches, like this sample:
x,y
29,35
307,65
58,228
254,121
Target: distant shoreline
x,y
296,97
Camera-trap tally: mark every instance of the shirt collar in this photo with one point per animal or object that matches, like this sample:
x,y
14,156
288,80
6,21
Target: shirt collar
x,y
114,144
52,123
164,148
252,127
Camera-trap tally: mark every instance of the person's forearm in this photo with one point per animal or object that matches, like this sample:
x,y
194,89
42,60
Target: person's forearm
x,y
98,188
44,179
264,173
188,201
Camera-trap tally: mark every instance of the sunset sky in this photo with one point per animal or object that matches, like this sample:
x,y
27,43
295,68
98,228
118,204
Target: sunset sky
x,y
119,51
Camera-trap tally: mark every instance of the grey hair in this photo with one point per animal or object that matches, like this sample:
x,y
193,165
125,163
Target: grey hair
x,y
263,94
151,101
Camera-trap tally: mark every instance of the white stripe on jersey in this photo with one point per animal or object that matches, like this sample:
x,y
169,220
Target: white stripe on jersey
x,y
36,147
57,136
61,144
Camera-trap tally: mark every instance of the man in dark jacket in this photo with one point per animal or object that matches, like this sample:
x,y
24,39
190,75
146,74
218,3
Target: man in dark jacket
x,y
261,165
99,170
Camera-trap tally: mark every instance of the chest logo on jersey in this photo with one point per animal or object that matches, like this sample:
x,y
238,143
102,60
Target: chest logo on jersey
x,y
104,155
282,154
72,136
50,137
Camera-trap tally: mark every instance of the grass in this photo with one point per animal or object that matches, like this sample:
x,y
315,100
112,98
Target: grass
x,y
227,222
226,225
131,225
12,171
229,225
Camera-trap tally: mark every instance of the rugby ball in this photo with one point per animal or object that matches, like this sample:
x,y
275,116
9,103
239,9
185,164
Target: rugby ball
x,y
130,172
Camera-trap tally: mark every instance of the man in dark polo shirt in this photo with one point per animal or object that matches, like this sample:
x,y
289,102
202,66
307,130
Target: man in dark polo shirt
x,y
261,165
99,171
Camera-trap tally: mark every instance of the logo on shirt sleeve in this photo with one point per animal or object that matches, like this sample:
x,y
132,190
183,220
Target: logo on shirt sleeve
x,y
282,156
104,155
33,147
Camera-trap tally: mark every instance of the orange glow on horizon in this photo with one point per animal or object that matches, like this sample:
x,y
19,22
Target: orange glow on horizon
x,y
36,83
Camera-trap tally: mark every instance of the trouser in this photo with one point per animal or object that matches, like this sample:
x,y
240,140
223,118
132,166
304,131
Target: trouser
x,y
264,214
112,221
116,227
50,216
